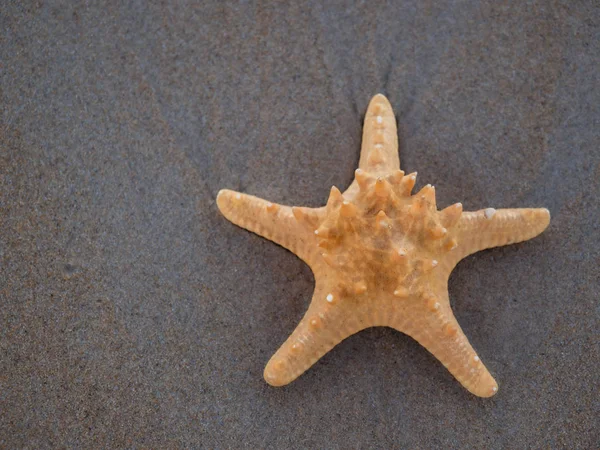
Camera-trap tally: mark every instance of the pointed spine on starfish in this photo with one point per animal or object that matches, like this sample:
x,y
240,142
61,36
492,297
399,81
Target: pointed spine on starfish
x,y
329,260
449,216
437,231
449,329
299,213
429,264
335,198
432,302
427,193
450,244
399,255
362,179
382,188
401,292
408,182
360,287
376,157
348,209
418,206
306,216
315,323
382,222
395,178
323,231
325,244
296,347
272,207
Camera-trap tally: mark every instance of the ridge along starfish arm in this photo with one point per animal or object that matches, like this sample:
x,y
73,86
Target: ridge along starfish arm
x,y
381,257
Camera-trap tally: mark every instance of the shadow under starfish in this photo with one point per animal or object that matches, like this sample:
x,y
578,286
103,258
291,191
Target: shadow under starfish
x,y
381,257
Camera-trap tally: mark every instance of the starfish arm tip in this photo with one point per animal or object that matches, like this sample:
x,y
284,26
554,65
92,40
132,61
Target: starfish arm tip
x,y
379,150
224,198
545,217
537,219
379,98
486,228
275,375
485,387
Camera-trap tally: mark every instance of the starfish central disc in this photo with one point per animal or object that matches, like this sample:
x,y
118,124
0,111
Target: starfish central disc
x,y
382,240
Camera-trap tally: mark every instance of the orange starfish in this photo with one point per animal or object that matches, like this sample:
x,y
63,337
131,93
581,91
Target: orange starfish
x,y
381,257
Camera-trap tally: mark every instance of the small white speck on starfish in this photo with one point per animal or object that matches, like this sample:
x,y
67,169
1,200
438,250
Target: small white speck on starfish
x,y
401,292
379,119
329,298
489,213
238,196
316,232
434,262
494,389
476,358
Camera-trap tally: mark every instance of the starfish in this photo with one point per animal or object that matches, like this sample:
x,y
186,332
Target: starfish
x,y
381,257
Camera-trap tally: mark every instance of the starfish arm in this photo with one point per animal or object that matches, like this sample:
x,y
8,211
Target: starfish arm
x,y
438,331
275,222
323,326
487,228
379,151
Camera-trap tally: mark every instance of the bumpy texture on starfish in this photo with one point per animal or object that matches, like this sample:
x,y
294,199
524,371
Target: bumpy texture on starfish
x,y
381,257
